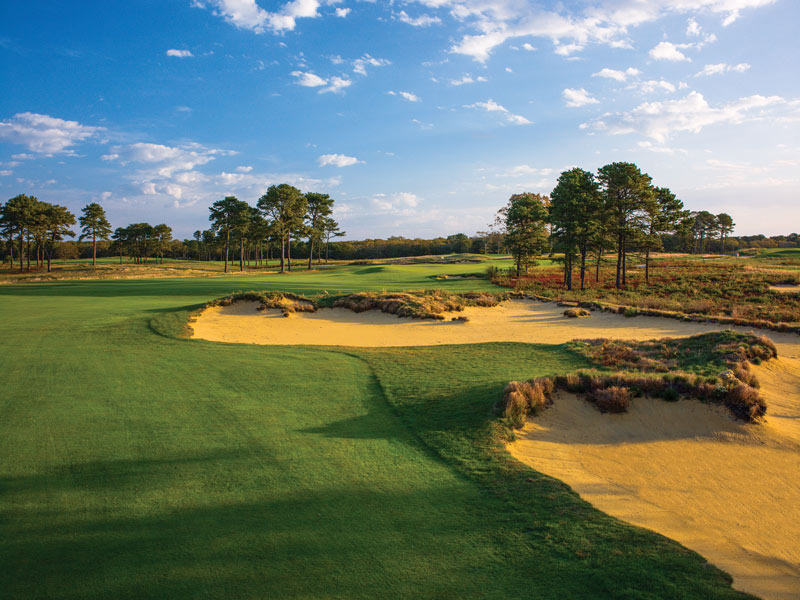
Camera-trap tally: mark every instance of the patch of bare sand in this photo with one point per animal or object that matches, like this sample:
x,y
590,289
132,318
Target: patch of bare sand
x,y
728,490
785,288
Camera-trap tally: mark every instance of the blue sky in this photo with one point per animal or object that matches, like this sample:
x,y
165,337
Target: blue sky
x,y
420,117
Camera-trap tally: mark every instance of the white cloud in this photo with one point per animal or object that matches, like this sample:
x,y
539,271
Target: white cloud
x,y
401,203
336,85
467,78
660,120
720,68
405,95
44,134
337,160
308,79
617,75
668,51
648,87
423,126
247,14
492,106
6,173
244,169
420,21
693,28
342,12
525,171
528,47
164,161
179,53
360,64
578,97
490,23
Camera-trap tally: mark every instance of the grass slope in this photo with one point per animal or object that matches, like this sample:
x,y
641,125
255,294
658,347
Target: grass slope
x,y
139,465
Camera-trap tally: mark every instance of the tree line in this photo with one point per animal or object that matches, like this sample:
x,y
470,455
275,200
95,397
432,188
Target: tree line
x,y
36,227
587,215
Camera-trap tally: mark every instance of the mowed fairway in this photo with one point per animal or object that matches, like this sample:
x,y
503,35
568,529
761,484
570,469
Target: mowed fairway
x,y
137,464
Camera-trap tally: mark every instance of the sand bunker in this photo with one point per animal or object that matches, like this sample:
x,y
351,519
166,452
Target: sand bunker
x,y
729,490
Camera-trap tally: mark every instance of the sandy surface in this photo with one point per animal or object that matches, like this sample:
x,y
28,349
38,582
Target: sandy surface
x,y
785,289
728,490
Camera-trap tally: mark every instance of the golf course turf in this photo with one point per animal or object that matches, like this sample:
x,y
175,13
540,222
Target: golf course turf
x,y
136,463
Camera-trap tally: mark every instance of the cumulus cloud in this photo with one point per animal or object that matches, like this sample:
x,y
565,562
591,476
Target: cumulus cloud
x,y
405,95
492,106
570,26
578,97
420,21
337,160
397,203
179,53
468,79
360,64
720,68
44,134
617,75
669,51
247,14
653,85
660,120
342,12
165,161
333,84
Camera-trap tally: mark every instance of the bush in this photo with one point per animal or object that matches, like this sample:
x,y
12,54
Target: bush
x,y
525,397
613,399
576,313
745,402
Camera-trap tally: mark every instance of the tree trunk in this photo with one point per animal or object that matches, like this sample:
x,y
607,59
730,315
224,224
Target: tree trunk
x,y
310,251
283,252
227,242
619,261
647,267
49,254
289,252
21,250
28,252
597,266
94,248
624,267
241,254
584,250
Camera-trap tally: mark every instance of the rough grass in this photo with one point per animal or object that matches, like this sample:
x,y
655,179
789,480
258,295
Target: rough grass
x,y
730,291
422,304
577,313
712,367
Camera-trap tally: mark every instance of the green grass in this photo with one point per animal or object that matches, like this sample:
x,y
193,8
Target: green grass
x,y
135,464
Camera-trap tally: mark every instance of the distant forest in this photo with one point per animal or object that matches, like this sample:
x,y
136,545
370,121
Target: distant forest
x,y
288,224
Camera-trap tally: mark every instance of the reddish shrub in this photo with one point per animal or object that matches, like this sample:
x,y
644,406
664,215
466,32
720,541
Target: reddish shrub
x,y
613,399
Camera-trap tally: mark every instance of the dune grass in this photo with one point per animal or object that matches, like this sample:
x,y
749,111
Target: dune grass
x,y
136,464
